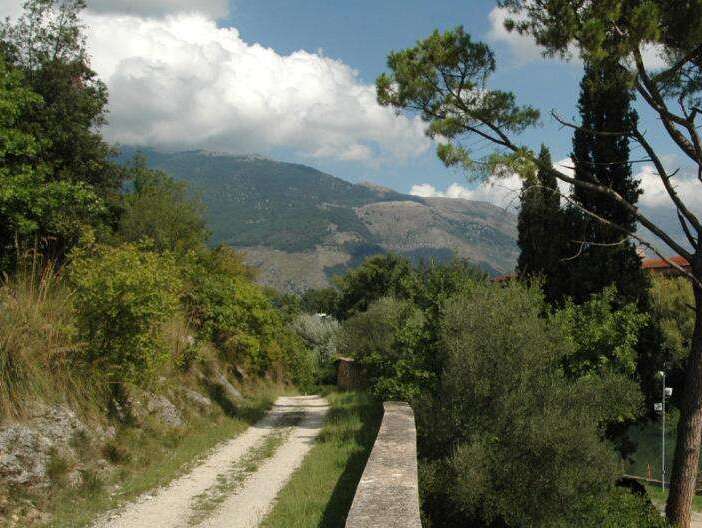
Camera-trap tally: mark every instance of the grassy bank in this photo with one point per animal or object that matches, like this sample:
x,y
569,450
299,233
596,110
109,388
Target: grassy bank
x,y
149,457
321,491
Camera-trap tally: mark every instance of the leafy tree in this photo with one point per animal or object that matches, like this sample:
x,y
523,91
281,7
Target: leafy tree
x,y
36,212
445,79
162,210
604,335
377,277
387,341
600,254
47,44
322,300
541,227
229,309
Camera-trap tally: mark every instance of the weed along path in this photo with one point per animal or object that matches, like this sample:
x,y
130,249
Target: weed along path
x,y
235,486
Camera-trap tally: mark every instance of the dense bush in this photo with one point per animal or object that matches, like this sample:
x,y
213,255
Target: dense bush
x,y
123,295
231,310
387,341
162,210
604,335
520,442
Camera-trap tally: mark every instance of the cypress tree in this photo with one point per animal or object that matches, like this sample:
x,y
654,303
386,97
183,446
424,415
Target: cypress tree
x,y
598,254
540,226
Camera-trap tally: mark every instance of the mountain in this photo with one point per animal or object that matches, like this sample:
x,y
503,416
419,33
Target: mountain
x,y
302,226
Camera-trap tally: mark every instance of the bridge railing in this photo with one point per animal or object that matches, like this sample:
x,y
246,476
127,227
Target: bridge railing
x,y
388,493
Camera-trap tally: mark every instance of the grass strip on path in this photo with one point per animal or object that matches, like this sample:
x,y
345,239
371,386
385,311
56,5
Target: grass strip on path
x,y
227,483
320,493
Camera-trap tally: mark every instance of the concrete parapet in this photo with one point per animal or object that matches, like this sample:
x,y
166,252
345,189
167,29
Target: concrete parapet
x,y
388,493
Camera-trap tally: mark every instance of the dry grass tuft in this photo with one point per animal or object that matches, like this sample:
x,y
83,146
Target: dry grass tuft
x,y
37,342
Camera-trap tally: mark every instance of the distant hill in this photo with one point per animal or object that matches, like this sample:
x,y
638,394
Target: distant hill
x,y
302,226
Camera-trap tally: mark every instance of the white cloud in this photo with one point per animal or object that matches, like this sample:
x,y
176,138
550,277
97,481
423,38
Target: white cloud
x,y
181,81
655,196
213,8
502,192
150,8
10,8
522,47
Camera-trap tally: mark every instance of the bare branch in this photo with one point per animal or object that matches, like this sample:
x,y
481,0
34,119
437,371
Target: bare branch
x,y
665,178
679,64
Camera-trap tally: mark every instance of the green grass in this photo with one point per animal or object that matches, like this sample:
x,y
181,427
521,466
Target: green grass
x,y
659,496
321,491
228,482
155,457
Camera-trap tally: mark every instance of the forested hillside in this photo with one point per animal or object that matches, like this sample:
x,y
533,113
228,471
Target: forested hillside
x,y
301,226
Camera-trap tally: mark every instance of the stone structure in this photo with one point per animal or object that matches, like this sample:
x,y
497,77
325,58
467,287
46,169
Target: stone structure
x,y
388,493
349,376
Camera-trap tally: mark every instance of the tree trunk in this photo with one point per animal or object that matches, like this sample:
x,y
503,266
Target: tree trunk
x,y
687,450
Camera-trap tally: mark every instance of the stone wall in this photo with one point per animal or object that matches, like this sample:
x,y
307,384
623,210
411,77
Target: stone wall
x,y
388,493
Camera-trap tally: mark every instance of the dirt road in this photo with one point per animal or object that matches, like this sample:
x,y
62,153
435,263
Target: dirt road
x,y
236,485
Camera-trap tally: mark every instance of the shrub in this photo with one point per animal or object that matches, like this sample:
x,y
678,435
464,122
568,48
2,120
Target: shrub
x,y
123,296
520,441
604,336
229,309
387,340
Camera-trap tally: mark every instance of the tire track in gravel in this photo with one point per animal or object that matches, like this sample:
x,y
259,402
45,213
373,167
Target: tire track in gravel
x,y
172,506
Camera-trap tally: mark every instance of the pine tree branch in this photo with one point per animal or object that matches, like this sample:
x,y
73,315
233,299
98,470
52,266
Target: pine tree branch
x,y
649,91
608,191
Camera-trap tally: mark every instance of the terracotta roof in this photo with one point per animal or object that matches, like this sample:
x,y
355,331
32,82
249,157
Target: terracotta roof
x,y
662,264
504,278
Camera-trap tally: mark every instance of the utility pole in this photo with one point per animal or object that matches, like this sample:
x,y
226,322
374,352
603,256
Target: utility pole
x,y
667,392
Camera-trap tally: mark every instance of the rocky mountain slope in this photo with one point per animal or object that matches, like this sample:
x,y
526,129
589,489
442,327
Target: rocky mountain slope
x,y
302,226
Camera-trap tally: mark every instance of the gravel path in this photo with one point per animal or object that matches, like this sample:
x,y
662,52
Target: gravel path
x,y
171,506
248,507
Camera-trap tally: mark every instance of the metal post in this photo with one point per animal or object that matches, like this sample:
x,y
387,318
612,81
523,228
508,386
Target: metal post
x,y
663,439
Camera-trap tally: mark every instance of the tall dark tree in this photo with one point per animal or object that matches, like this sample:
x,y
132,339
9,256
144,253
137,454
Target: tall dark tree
x,y
540,227
599,255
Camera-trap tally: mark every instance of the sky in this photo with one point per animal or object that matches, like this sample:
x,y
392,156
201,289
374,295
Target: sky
x,y
294,80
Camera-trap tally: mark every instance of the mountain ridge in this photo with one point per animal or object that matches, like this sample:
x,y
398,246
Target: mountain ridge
x,y
301,226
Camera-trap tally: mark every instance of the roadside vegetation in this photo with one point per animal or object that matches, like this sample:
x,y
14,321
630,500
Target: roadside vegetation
x,y
128,346
320,493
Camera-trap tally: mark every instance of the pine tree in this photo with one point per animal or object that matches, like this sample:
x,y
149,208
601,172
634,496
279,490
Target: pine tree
x,y
540,227
598,255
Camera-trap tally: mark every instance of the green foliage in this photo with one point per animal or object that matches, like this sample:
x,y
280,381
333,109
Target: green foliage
x,y
604,336
521,441
671,301
236,314
613,29
323,300
617,509
541,226
379,276
444,77
598,255
387,341
123,295
34,209
47,44
161,210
